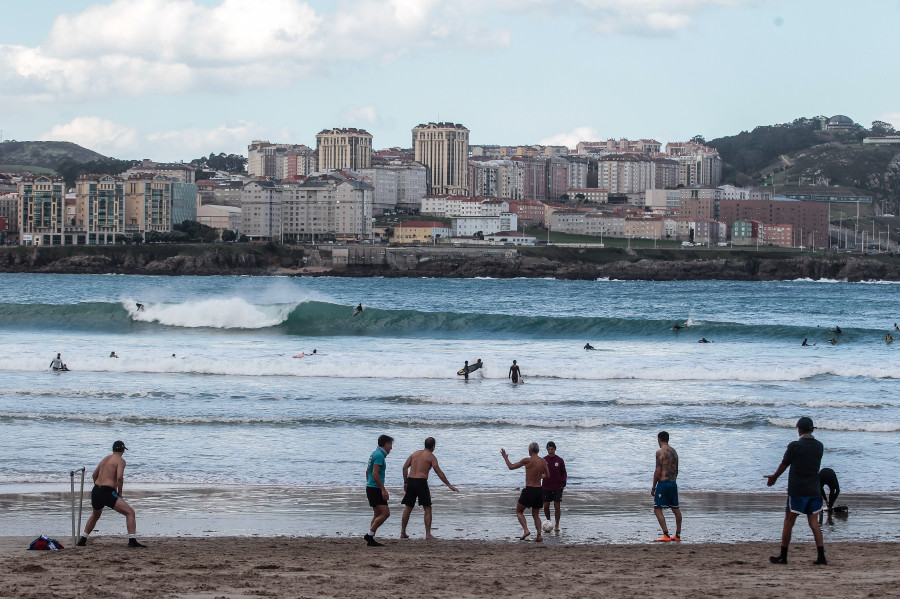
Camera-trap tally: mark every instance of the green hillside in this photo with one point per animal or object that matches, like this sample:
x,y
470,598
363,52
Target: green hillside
x,y
800,153
47,154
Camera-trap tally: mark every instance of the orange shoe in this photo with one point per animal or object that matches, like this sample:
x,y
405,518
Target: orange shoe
x,y
676,538
663,539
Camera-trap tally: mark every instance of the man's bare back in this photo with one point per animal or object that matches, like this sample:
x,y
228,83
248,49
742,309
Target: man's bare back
x,y
110,472
420,463
535,470
667,464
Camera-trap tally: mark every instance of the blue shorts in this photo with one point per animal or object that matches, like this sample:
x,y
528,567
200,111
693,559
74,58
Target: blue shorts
x,y
804,505
666,495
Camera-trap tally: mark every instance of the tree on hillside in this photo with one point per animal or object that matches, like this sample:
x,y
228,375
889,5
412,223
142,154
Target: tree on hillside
x,y
881,129
70,170
233,163
194,230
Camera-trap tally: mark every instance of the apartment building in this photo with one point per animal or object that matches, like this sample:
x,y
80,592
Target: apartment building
x,y
224,218
444,150
610,224
634,173
700,202
528,212
327,207
386,182
468,226
265,159
148,203
589,194
9,210
261,211
344,149
809,220
99,209
420,232
42,217
644,228
176,171
298,162
568,221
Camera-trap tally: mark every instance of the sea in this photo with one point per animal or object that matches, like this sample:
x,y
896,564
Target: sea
x,y
230,432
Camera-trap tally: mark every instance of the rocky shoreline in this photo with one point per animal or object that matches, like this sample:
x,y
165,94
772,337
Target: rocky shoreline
x,y
271,259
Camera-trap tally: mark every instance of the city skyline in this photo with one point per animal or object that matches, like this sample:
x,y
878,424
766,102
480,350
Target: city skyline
x,y
213,75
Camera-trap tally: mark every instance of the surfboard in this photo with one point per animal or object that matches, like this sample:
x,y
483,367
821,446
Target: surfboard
x,y
472,368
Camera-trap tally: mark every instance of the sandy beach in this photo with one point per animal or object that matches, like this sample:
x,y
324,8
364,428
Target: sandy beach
x,y
231,567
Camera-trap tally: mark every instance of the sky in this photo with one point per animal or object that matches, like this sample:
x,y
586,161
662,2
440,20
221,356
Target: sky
x,y
177,79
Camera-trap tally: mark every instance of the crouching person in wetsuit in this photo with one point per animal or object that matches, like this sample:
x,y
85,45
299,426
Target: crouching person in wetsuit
x,y
109,475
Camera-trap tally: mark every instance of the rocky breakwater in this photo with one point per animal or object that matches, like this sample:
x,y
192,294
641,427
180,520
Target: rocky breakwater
x,y
151,260
741,267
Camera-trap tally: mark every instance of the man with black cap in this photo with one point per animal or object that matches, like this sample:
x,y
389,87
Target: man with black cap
x,y
804,457
109,475
555,482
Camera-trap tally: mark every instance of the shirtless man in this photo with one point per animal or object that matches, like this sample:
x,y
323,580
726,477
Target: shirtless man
x,y
665,489
532,495
107,492
514,372
415,485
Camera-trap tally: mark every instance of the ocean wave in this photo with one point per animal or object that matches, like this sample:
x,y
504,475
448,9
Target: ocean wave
x,y
313,317
841,425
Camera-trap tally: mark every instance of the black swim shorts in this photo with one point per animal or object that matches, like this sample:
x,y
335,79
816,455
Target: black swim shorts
x,y
102,496
375,496
532,497
417,488
552,495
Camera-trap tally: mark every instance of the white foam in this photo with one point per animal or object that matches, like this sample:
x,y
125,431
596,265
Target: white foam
x,y
842,425
220,313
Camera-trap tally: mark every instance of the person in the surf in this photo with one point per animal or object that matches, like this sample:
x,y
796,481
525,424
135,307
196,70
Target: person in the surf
x,y
514,372
704,340
57,364
140,307
805,344
677,327
589,346
112,354
888,338
896,328
837,330
358,310
832,341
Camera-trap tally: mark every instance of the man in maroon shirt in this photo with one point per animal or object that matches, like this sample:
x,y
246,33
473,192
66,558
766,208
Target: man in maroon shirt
x,y
552,486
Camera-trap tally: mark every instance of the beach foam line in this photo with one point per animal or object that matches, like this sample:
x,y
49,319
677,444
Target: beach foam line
x,y
841,425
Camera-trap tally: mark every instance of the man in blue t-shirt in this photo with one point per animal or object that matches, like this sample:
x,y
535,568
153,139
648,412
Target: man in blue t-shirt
x,y
375,489
804,457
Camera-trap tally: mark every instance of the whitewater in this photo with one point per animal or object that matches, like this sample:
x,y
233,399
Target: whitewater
x,y
206,382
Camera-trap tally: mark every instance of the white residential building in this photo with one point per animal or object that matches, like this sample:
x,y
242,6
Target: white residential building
x,y
468,226
261,211
327,207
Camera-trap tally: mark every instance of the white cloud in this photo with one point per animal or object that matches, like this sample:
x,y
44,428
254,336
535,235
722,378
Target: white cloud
x,y
139,47
112,139
365,115
571,139
94,133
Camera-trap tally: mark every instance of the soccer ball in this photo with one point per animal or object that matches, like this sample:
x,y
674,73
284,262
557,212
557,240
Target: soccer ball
x,y
547,526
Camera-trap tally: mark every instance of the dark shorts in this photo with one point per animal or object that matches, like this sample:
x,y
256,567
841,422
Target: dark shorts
x,y
417,488
666,495
532,497
552,495
804,505
375,496
102,497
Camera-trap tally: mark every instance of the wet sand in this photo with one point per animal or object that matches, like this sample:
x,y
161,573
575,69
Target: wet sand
x,y
589,516
305,567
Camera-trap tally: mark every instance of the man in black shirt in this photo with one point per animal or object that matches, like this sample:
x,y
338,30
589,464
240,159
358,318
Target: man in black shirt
x,y
804,457
827,478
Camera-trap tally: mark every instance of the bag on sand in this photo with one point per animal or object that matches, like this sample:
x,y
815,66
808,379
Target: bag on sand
x,y
42,543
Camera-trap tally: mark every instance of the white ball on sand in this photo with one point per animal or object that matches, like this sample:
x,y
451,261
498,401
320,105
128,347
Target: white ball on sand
x,y
547,526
